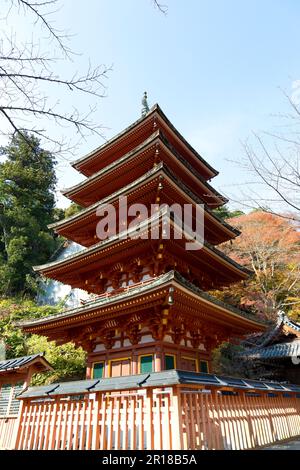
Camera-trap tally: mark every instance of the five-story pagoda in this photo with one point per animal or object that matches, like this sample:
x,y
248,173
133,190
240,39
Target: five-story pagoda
x,y
149,309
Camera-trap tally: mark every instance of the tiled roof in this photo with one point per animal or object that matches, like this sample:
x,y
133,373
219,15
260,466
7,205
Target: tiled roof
x,y
154,379
280,350
157,135
160,167
290,323
268,345
155,108
21,362
143,225
137,290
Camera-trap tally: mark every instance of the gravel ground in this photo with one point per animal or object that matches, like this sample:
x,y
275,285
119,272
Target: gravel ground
x,y
287,445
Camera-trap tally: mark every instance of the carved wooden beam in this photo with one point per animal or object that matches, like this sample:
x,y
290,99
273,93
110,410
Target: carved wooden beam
x,y
133,332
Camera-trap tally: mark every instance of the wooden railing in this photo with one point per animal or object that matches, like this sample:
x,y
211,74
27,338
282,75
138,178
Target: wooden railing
x,y
123,420
241,421
173,417
8,432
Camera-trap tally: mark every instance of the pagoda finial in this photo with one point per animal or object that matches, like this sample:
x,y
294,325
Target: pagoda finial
x,y
145,107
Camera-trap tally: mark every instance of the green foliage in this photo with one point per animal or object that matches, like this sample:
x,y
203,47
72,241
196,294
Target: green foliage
x,y
270,247
224,212
27,206
67,361
12,311
27,182
60,214
224,359
228,360
72,210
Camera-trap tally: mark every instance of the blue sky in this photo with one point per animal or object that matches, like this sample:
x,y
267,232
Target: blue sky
x,y
215,68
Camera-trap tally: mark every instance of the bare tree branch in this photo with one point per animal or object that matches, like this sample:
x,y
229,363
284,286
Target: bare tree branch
x,y
274,161
162,8
25,67
35,8
265,175
83,83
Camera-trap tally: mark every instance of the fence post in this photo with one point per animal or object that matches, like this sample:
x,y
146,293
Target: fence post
x,y
149,414
20,423
96,424
177,427
252,435
270,417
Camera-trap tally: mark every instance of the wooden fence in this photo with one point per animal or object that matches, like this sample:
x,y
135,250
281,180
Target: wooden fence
x,y
237,421
8,432
9,407
174,417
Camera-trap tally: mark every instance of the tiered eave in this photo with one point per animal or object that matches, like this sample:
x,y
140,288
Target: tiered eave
x,y
134,135
159,182
149,310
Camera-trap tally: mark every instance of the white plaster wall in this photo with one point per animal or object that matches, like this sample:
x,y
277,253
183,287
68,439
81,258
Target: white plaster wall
x,y
168,339
146,339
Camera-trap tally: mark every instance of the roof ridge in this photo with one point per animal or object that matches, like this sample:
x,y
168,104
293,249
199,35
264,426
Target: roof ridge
x,y
157,379
115,137
23,361
32,356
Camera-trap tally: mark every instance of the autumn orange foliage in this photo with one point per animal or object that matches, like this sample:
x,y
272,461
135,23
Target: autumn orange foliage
x,y
270,246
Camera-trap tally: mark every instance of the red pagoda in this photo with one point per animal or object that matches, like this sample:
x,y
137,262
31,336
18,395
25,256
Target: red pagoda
x,y
150,310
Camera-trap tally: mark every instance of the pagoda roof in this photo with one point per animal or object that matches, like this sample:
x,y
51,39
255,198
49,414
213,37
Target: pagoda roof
x,y
91,311
85,216
80,192
84,163
59,268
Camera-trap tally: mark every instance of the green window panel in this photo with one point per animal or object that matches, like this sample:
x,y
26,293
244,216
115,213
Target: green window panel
x,y
146,364
98,370
169,362
204,366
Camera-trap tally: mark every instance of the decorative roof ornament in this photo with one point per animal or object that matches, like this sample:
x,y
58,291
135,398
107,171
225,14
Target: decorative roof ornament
x,y
145,108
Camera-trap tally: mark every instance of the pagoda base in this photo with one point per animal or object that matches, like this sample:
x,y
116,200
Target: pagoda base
x,y
145,357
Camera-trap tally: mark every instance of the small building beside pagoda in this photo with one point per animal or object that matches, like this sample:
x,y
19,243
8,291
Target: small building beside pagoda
x,y
150,310
15,377
278,351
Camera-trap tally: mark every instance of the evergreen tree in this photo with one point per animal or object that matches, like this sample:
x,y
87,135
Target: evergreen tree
x,y
72,210
27,182
224,212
